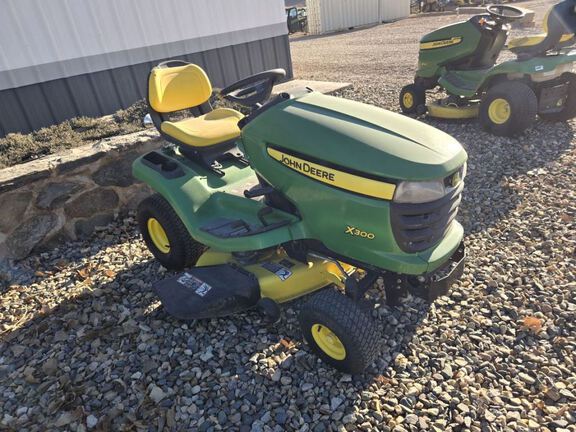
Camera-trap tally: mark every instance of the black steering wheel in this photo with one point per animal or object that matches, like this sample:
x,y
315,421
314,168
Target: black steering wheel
x,y
504,14
255,89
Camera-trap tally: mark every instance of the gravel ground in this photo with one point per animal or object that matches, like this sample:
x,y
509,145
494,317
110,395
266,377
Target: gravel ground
x,y
85,346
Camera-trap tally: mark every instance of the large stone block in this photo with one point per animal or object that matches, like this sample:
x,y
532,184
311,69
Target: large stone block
x,y
92,202
117,172
30,233
85,227
54,195
136,195
12,208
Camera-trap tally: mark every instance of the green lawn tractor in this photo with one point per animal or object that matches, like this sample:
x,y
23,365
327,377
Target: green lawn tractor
x,y
306,193
461,59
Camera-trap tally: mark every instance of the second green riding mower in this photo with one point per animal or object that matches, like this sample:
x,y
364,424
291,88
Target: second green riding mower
x,y
306,193
461,59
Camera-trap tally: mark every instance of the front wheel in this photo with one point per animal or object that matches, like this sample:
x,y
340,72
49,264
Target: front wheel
x,y
508,108
569,107
165,234
339,331
412,99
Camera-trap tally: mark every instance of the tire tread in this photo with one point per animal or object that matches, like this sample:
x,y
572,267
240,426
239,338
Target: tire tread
x,y
183,254
330,303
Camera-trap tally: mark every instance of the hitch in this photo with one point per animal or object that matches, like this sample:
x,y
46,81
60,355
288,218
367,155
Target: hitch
x,y
429,286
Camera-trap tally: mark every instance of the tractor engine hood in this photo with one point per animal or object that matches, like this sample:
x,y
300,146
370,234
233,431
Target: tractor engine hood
x,y
356,136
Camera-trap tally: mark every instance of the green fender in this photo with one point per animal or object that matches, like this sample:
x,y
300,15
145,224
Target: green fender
x,y
199,197
516,68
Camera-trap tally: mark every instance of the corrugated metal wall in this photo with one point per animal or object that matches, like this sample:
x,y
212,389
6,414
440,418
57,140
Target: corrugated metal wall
x,y
391,10
92,57
332,15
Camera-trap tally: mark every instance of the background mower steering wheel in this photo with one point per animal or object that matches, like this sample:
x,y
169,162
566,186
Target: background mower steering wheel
x,y
504,14
255,89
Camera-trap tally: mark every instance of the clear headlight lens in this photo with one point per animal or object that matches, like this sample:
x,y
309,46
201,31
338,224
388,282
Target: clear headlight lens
x,y
425,191
419,191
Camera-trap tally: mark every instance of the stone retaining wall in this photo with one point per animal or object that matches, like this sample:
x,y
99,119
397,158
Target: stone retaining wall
x,y
66,196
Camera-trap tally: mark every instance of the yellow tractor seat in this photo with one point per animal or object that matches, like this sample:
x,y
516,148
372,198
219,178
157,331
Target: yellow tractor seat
x,y
528,41
216,127
558,26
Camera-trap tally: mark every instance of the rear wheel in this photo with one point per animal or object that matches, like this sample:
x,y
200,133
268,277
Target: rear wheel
x,y
165,234
569,110
412,98
508,108
339,331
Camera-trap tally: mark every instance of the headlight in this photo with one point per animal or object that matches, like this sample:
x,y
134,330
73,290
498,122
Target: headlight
x,y
417,192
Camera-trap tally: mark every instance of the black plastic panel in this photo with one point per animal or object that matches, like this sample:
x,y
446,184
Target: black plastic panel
x,y
418,227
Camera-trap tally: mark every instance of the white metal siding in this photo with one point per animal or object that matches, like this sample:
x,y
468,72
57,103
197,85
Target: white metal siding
x,y
332,15
391,10
54,32
66,58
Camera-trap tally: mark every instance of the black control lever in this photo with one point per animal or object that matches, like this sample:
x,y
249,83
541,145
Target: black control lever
x,y
258,191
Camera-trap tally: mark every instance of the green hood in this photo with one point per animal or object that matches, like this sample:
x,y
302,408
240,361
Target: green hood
x,y
357,136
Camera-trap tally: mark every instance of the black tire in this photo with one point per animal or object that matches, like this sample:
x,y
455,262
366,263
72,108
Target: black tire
x,y
355,329
522,104
569,110
183,251
415,94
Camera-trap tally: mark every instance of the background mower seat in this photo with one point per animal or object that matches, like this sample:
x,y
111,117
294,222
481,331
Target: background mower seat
x,y
559,26
216,127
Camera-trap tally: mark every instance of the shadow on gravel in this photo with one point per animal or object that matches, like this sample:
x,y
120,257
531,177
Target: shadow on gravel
x,y
72,254
110,338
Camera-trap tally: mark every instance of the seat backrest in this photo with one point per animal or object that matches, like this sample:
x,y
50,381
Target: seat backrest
x,y
489,49
559,23
179,87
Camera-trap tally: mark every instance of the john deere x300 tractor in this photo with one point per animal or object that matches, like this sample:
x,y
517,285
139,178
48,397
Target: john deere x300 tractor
x,y
307,193
461,59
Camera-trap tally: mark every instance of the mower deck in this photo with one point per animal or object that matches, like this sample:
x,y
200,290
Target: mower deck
x,y
219,285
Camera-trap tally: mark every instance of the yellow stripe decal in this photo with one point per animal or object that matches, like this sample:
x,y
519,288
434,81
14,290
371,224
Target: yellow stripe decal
x,y
334,177
440,43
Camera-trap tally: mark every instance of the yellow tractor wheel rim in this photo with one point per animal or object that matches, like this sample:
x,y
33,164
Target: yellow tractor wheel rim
x,y
328,342
408,100
499,111
158,235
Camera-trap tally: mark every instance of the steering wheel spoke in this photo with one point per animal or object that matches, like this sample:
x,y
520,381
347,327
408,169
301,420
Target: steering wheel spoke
x,y
253,90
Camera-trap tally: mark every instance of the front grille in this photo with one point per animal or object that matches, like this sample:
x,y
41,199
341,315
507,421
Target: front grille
x,y
418,227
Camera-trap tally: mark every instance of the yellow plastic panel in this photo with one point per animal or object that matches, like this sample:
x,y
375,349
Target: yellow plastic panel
x,y
215,127
281,286
177,88
334,177
453,112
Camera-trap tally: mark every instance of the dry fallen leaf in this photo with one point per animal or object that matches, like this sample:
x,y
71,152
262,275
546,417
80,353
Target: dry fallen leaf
x,y
532,323
110,273
381,379
286,343
84,272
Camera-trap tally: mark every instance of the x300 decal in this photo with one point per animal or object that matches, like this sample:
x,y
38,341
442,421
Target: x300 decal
x,y
353,231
